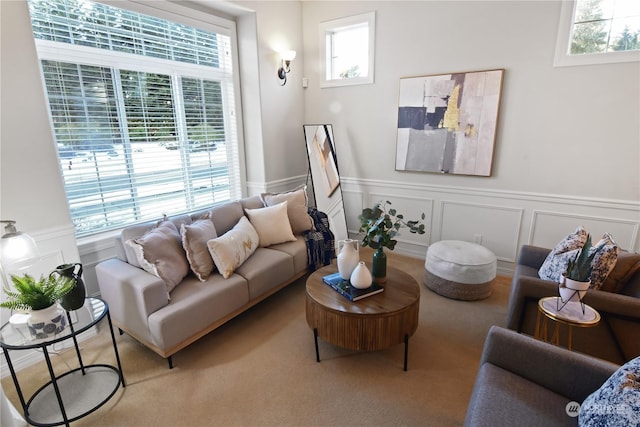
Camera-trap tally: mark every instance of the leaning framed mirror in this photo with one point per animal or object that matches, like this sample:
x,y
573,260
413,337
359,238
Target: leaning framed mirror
x,y
325,176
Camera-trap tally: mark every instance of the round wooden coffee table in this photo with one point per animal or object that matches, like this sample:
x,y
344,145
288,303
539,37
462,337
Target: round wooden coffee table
x,y
373,323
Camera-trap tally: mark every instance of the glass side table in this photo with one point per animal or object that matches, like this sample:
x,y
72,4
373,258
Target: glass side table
x,y
75,393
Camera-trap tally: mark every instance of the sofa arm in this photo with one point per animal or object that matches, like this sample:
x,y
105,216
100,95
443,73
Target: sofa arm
x,y
524,288
532,256
570,374
132,295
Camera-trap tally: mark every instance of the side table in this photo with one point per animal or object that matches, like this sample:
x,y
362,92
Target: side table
x,y
77,392
571,315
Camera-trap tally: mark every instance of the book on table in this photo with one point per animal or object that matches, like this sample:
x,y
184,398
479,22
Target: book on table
x,y
344,288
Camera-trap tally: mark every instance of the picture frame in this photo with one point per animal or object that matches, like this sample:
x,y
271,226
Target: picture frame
x,y
447,123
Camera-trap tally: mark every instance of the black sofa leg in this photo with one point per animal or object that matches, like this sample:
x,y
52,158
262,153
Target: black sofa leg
x,y
170,360
120,331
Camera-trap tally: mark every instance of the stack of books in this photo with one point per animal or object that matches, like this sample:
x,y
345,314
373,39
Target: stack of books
x,y
344,288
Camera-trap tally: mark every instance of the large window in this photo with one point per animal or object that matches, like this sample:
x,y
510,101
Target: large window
x,y
142,110
598,31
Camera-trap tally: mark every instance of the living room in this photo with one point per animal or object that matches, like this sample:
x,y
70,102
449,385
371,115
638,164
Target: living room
x,y
567,148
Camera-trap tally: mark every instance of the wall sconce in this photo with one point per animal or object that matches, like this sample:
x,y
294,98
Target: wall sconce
x,y
285,66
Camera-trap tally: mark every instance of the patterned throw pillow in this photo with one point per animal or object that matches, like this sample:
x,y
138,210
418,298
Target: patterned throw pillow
x,y
556,262
604,261
616,402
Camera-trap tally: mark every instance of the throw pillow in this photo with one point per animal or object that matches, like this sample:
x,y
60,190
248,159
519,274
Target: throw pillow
x,y
616,402
194,241
160,252
627,264
232,249
604,261
556,262
271,224
297,207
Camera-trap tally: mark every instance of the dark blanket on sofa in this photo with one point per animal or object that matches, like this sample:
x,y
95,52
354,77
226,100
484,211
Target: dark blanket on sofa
x,y
320,242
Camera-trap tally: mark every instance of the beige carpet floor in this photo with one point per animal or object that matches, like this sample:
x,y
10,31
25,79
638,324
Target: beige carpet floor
x,y
260,370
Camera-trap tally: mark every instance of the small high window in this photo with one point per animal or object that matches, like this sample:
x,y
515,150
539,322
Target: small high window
x,y
598,31
347,48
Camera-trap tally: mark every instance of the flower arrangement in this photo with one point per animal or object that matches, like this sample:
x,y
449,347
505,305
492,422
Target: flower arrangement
x,y
32,294
382,223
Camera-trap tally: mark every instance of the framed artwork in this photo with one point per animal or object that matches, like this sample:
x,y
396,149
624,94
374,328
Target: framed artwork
x,y
447,122
321,150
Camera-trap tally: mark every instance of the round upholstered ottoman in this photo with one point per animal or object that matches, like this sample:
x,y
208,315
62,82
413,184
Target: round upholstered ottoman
x,y
460,270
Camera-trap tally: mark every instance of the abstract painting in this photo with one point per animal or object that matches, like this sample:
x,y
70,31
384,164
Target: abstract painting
x,y
447,123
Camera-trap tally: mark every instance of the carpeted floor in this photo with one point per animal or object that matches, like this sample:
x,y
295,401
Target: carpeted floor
x,y
260,370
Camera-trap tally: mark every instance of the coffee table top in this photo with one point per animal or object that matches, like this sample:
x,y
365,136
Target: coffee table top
x,y
400,291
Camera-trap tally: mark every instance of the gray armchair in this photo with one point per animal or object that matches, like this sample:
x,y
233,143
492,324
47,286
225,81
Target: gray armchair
x,y
525,382
616,337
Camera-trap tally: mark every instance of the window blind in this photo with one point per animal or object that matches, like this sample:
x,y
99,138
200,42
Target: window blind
x,y
142,111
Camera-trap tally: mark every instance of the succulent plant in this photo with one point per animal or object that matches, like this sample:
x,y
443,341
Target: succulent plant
x,y
579,268
32,294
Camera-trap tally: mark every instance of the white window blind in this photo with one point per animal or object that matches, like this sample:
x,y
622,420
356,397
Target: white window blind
x,y
142,110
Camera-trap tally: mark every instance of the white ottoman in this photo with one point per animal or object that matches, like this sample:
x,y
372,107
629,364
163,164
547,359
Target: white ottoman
x,y
460,270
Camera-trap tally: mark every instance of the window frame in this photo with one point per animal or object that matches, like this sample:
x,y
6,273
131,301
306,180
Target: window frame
x,y
186,16
563,58
334,25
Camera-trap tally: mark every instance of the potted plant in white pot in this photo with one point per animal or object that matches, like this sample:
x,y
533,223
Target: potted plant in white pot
x,y
576,278
40,299
380,225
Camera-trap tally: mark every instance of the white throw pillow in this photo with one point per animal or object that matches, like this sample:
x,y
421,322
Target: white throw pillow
x,y
272,224
232,249
297,203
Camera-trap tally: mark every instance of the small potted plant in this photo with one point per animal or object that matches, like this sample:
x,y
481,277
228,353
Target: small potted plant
x,y
576,278
380,225
39,298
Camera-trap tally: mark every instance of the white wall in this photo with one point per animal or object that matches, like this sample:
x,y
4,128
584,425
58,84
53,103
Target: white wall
x,y
567,150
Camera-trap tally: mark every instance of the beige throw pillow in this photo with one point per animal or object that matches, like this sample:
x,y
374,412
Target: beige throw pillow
x,y
194,241
272,224
297,205
232,249
159,252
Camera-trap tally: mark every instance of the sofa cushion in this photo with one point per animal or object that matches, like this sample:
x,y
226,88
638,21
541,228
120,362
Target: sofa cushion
x,y
226,216
298,251
196,306
617,402
297,207
272,224
514,400
232,249
160,252
627,264
194,241
266,269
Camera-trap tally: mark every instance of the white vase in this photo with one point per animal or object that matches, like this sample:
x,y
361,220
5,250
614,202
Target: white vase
x,y
572,290
46,323
361,277
348,257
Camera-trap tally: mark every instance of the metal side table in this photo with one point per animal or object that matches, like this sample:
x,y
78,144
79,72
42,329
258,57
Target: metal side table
x,y
73,394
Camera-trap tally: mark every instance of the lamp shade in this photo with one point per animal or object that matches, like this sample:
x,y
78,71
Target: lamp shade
x,y
288,55
18,250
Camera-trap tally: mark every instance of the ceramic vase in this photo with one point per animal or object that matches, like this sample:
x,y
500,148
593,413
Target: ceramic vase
x,y
74,299
46,323
348,257
379,268
361,277
572,290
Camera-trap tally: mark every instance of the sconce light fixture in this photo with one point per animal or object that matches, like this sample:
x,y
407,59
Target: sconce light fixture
x,y
285,65
18,250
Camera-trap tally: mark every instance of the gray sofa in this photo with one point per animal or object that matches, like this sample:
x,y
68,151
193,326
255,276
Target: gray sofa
x,y
525,382
616,337
141,306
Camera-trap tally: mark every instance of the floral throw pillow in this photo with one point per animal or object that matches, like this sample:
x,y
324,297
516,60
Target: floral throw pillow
x,y
556,262
604,261
616,402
